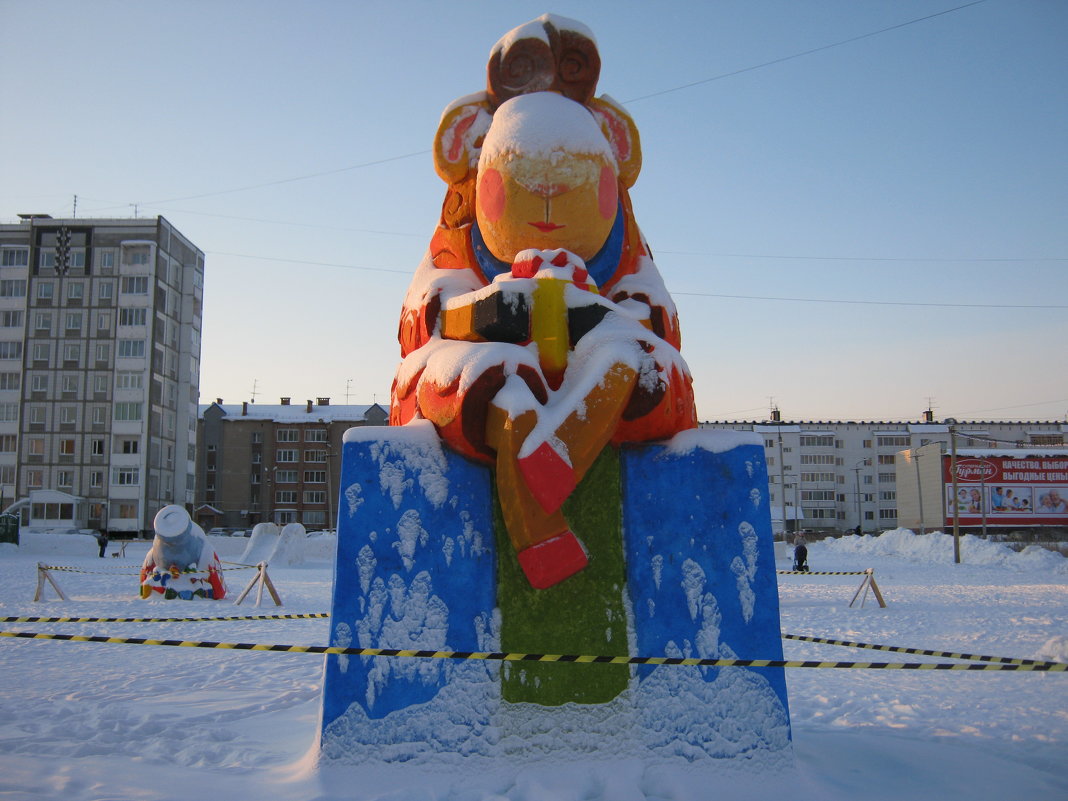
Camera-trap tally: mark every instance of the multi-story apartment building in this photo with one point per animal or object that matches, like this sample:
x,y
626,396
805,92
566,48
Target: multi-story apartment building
x,y
273,462
100,324
834,476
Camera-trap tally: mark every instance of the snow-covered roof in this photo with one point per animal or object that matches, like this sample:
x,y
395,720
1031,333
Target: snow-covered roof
x,y
294,413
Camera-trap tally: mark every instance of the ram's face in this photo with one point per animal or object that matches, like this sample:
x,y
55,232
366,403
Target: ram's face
x,y
562,200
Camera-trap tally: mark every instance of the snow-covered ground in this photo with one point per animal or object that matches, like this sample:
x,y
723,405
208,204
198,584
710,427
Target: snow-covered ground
x,y
82,721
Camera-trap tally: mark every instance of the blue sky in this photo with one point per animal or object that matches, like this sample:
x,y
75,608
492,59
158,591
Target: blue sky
x,y
800,208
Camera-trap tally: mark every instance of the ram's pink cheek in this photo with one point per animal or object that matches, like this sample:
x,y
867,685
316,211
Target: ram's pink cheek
x,y
491,195
608,193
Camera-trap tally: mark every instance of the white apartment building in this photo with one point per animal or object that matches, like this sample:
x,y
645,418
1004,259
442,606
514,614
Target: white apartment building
x,y
100,323
833,476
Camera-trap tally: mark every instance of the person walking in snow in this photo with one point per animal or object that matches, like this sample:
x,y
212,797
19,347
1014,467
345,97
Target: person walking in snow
x,y
800,554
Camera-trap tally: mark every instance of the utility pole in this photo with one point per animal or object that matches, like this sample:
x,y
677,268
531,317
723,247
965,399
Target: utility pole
x,y
953,476
919,487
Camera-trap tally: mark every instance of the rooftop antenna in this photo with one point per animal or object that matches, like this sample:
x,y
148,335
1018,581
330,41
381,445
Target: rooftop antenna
x,y
348,390
255,382
74,212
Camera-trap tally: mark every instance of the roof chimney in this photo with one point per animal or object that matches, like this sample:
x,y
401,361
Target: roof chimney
x,y
928,416
776,417
323,401
219,401
285,401
244,408
309,407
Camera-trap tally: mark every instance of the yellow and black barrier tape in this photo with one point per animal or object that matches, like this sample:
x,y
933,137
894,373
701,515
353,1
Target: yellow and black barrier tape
x,y
518,657
1004,660
821,572
307,616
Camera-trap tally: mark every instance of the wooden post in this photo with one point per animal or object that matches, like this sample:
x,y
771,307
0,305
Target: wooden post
x,y
868,582
42,576
260,580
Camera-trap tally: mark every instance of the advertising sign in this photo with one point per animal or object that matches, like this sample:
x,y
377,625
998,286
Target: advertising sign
x,y
1011,491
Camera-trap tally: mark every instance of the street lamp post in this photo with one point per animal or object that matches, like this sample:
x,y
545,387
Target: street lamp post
x,y
919,488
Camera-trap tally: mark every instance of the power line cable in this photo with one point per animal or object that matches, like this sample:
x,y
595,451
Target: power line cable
x,y
874,302
800,55
632,100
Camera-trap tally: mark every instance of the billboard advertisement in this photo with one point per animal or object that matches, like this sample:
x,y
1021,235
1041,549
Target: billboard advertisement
x,y
1008,490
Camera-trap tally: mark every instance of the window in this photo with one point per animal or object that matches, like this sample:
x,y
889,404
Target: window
x,y
820,514
888,514
15,257
9,412
285,455
107,259
107,289
135,255
42,321
125,476
100,415
74,321
287,435
888,495
886,458
133,316
72,352
127,411
14,288
131,349
892,441
771,461
10,381
34,479
314,456
817,495
66,447
817,440
816,478
37,415
42,351
256,438
134,285
127,446
769,443
75,290
96,478
867,479
817,458
68,415
10,350
1047,439
315,518
70,383
103,352
126,380
48,259
100,381
887,478
8,443
314,476
315,435
285,496
97,447
285,476
11,319
124,511
314,496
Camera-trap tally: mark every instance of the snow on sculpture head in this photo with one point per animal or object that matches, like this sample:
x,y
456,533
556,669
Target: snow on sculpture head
x,y
172,522
546,179
179,541
536,161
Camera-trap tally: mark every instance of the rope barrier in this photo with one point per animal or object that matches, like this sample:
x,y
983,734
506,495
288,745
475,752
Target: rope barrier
x,y
309,615
821,573
919,651
1053,667
115,570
